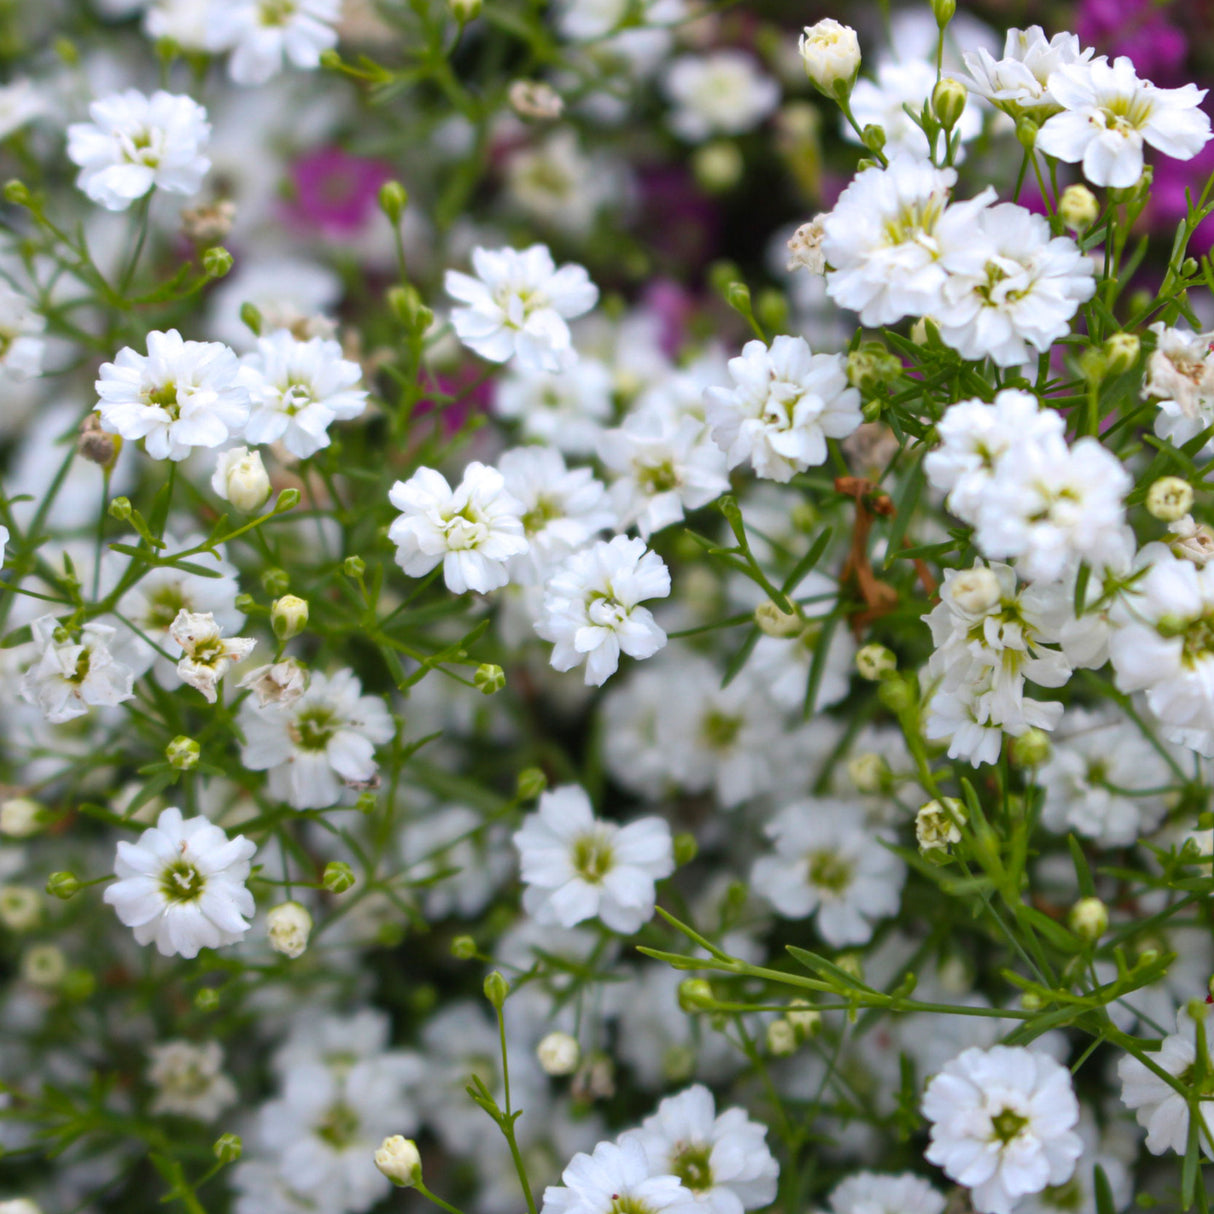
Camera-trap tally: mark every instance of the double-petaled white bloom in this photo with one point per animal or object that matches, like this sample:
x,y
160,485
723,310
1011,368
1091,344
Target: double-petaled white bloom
x,y
180,395
786,402
1180,378
317,743
577,867
265,35
189,1080
182,887
68,677
615,1178
1011,286
1020,81
517,306
137,143
206,654
298,389
21,342
592,607
719,93
1160,1109
473,530
1003,1124
723,1160
827,862
1109,114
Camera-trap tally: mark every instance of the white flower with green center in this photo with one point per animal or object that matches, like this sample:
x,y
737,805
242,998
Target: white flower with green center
x,y
723,1160
576,867
266,35
616,1179
206,654
1020,80
69,677
182,885
1109,114
317,744
827,862
1003,1124
189,1079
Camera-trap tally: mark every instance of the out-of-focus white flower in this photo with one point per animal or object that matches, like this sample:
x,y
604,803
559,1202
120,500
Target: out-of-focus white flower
x,y
21,102
720,93
182,885
577,867
564,409
556,183
189,1080
180,395
69,677
1003,1124
472,530
592,613
265,35
1109,114
189,23
206,654
871,1193
137,143
1020,81
240,477
517,306
21,342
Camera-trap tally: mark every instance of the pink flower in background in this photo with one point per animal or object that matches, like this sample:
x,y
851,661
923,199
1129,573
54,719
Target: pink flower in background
x,y
1137,28
335,192
1168,205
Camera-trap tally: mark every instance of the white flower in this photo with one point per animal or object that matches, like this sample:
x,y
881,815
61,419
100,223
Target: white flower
x,y
591,610
180,395
576,867
563,409
517,306
472,530
137,143
1109,113
314,744
189,1080
4,538
1011,286
831,54
1003,1124
21,102
1180,378
182,885
827,861
723,1160
240,477
614,1178
266,34
869,1193
786,403
719,93
206,655
189,23
1160,1109
21,343
1020,80
67,677
276,682
298,389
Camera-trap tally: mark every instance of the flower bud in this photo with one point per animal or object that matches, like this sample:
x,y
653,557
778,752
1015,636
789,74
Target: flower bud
x,y
781,1038
338,877
805,1020
63,885
535,100
489,678
873,138
1031,748
948,101
95,445
17,193
1078,207
393,199
718,166
250,317
831,54
875,662
20,817
497,989
206,999
943,11
685,849
869,772
241,478
975,591
737,296
695,995
1121,351
121,509
559,1054
354,567
463,948
872,366
896,694
938,823
183,753
531,782
1089,919
399,1160
20,909
465,10
275,581
1026,133
1169,498
774,622
288,616
217,262
227,1148
288,926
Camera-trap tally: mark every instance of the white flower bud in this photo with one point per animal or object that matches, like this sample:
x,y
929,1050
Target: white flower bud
x,y
20,817
1169,498
975,591
868,771
398,1159
874,662
781,1038
936,828
288,926
805,1020
241,478
559,1054
288,616
831,54
774,622
1089,919
536,100
1078,207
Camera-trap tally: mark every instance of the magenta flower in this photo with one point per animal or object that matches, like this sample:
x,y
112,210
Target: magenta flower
x,y
335,192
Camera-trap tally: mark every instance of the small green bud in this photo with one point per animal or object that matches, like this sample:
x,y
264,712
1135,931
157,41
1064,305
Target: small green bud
x,y
1172,625
275,581
244,603
1089,919
695,995
406,305
489,678
338,877
206,999
393,199
465,10
78,985
228,1148
1190,266
17,192
718,166
463,948
1026,133
531,782
67,50
121,509
851,963
366,802
1148,956
288,499
1078,207
354,567
63,885
781,1039
872,365
896,694
183,753
948,101
250,317
497,989
1169,498
873,138
400,1161
289,616
875,662
685,848
1031,1001
871,410
943,11
774,622
737,296
217,262
1031,748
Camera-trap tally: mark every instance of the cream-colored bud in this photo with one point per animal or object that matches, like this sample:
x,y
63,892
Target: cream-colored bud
x,y
718,166
20,907
781,1038
400,1161
20,817
874,662
805,1020
288,616
1078,207
535,100
1089,919
975,591
773,622
1169,498
241,478
938,823
559,1054
831,54
868,771
288,926
948,100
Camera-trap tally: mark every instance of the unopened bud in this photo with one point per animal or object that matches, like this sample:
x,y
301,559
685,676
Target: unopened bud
x,y
873,137
535,100
830,52
943,11
95,445
1031,748
241,478
489,678
497,989
948,101
775,622
121,509
288,926
63,885
558,1054
975,591
400,1161
465,10
17,192
872,365
217,262
896,694
737,296
805,1020
718,166
531,782
1121,351
1089,919
227,1148
869,772
875,662
1026,133
1078,207
338,877
685,848
781,1038
183,753
250,316
463,948
289,616
1169,498
393,199
695,995
354,567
